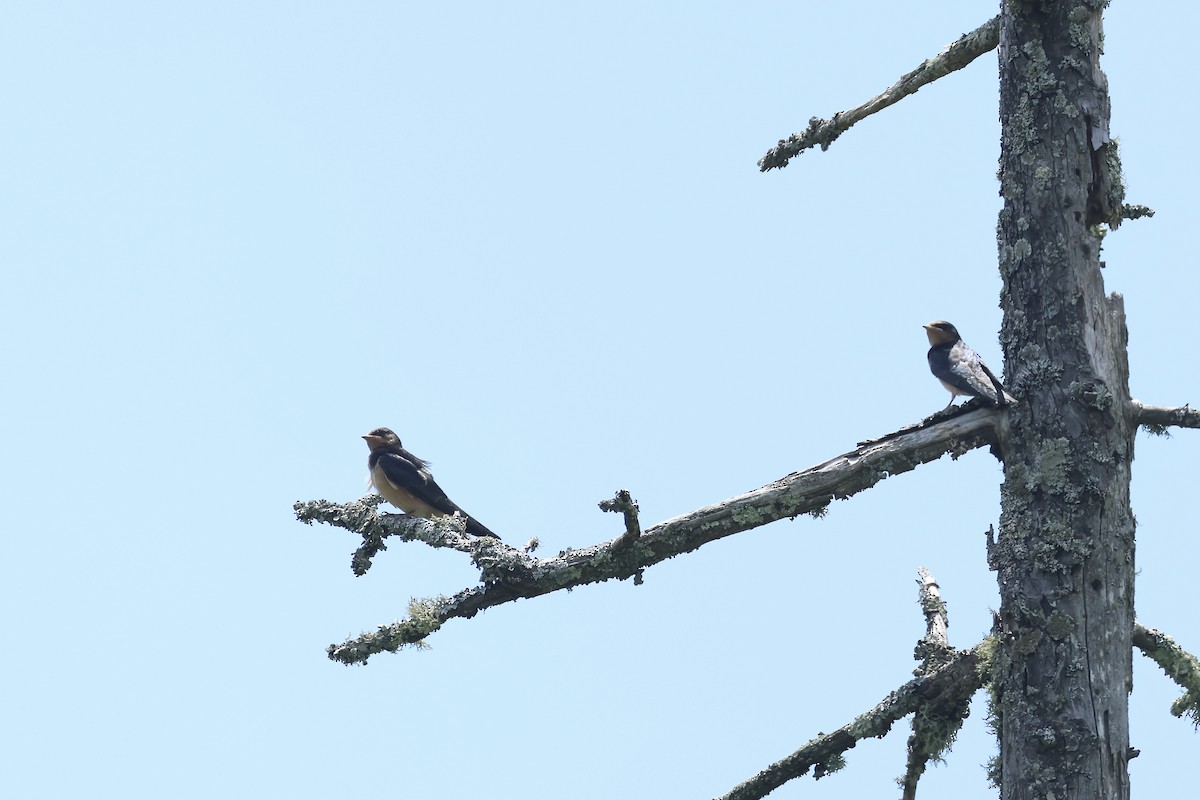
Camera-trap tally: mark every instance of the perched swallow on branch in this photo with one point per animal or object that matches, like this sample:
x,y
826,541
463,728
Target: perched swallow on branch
x,y
405,482
959,368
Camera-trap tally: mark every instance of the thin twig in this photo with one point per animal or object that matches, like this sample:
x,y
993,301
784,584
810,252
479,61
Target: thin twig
x,y
623,501
936,620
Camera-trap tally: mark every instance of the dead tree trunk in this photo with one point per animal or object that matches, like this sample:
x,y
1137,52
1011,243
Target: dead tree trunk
x,y
1065,553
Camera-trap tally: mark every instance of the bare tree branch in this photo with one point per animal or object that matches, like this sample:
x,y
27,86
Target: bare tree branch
x,y
362,517
823,131
963,673
937,622
509,573
1180,666
935,725
1157,419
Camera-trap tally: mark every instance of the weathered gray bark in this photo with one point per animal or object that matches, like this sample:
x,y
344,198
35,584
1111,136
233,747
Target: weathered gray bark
x,y
1065,552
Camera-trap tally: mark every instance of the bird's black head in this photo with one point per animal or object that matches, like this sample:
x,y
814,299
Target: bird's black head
x,y
941,332
381,437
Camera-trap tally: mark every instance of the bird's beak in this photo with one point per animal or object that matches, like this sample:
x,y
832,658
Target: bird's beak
x,y
927,327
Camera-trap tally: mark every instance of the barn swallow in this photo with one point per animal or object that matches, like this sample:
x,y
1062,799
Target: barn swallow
x,y
405,482
959,368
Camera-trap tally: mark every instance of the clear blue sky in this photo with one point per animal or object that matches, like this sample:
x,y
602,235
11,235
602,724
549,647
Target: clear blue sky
x,y
531,238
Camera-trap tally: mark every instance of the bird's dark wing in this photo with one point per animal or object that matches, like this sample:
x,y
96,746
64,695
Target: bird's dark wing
x,y
1000,397
410,474
407,472
966,371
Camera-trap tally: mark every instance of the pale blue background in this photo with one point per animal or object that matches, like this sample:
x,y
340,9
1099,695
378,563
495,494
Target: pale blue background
x,y
531,238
